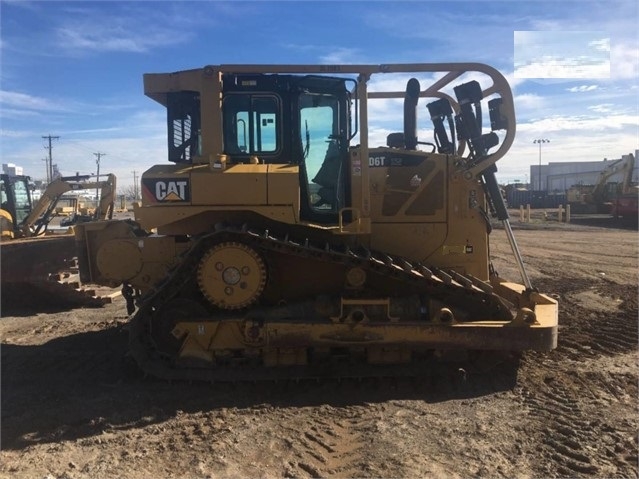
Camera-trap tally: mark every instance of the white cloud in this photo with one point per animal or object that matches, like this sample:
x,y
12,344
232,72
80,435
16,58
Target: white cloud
x,y
513,80
101,37
15,133
561,53
558,67
602,45
624,62
340,56
23,100
602,108
580,123
14,114
582,88
529,100
124,27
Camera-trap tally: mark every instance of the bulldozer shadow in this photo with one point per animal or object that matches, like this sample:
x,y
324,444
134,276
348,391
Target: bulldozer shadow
x,y
29,298
85,384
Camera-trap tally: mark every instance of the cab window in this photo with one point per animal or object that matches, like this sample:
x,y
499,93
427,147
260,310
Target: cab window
x,y
251,124
319,128
23,203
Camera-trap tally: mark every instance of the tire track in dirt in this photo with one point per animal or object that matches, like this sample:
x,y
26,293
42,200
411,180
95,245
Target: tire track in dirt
x,y
564,431
329,445
577,435
608,330
570,401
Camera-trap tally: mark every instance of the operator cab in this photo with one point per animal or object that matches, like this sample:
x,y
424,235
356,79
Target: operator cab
x,y
299,120
16,197
279,119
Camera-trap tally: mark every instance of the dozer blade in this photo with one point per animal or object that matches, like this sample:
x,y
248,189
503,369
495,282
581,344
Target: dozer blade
x,y
30,268
34,259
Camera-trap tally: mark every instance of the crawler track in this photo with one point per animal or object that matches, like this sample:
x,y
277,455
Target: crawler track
x,y
460,292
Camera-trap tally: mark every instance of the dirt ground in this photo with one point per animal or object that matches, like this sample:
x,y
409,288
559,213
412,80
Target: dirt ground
x,y
74,405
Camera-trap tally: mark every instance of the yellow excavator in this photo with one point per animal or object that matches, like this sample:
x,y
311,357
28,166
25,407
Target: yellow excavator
x,y
15,203
602,196
29,251
297,234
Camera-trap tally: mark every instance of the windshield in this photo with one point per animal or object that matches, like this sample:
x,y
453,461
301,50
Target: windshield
x,y
23,205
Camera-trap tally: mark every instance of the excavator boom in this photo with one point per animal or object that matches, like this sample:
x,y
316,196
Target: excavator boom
x,y
44,209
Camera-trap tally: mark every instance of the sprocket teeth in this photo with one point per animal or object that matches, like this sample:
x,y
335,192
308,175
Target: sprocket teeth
x,y
231,275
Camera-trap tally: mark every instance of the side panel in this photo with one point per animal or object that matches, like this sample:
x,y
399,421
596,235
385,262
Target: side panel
x,y
179,200
407,187
424,210
408,192
236,185
283,186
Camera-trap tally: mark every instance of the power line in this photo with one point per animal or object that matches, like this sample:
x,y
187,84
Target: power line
x,y
77,146
88,148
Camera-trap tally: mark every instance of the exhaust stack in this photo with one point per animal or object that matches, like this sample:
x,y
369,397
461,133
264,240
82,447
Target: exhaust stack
x,y
410,113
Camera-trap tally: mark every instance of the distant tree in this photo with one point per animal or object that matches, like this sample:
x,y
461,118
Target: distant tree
x,y
128,192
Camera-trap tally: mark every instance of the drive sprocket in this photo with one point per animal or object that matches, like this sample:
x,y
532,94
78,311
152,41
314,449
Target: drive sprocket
x,y
231,275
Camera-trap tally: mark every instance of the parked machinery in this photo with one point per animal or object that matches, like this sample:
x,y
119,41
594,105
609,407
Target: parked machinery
x,y
282,242
605,196
15,203
626,200
29,254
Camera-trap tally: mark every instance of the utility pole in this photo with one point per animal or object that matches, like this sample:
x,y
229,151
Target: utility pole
x,y
135,186
97,188
50,163
46,167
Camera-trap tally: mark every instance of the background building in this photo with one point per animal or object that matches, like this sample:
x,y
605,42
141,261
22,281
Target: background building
x,y
558,177
11,169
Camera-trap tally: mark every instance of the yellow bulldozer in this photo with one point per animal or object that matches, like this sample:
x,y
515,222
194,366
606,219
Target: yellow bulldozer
x,y
281,242
29,251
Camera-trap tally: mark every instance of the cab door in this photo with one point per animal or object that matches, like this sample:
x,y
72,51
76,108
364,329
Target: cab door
x,y
324,145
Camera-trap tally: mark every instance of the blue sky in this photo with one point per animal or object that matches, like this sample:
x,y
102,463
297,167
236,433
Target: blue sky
x,y
74,69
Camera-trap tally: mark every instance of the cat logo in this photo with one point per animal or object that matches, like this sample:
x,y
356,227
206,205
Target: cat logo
x,y
169,190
